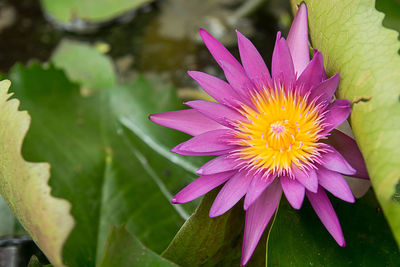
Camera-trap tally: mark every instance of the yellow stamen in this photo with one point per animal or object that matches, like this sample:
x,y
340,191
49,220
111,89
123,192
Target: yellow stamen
x,y
282,129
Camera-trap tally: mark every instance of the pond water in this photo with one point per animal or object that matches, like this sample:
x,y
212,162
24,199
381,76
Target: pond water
x,y
160,38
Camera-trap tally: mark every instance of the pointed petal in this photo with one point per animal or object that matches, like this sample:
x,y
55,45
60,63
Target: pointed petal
x,y
307,178
282,64
334,161
238,80
253,63
189,121
313,74
257,217
348,148
258,184
298,40
218,51
335,183
217,112
220,164
338,111
209,143
216,88
230,194
294,191
325,90
323,207
201,186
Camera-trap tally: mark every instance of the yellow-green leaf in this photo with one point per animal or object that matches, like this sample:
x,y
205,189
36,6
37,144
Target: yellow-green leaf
x,y
354,43
24,184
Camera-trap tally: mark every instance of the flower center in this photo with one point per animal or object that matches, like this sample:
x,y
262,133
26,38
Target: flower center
x,y
282,129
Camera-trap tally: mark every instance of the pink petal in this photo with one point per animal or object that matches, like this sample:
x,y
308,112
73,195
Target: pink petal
x,y
238,80
258,184
218,51
298,40
338,111
323,207
335,183
313,74
209,143
253,63
220,164
257,218
188,121
216,88
230,194
294,191
326,90
201,186
217,112
334,161
282,64
307,178
348,148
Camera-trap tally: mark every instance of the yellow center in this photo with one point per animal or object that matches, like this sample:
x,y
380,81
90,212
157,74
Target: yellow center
x,y
282,128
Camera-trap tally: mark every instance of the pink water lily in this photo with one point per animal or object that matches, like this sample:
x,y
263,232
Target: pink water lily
x,y
270,132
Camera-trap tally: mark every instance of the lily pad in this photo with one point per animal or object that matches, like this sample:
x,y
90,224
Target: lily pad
x,y
354,43
85,65
298,237
391,8
125,250
205,241
92,11
24,184
109,173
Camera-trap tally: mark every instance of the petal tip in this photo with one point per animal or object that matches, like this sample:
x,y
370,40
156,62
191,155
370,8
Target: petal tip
x,y
313,189
246,204
191,72
213,213
243,261
175,149
296,206
151,117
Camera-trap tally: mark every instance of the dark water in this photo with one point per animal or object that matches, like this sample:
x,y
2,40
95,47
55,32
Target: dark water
x,y
160,38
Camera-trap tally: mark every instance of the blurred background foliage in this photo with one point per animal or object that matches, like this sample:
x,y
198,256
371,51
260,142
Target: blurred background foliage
x,y
89,72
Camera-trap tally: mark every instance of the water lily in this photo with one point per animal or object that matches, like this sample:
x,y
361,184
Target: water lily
x,y
270,132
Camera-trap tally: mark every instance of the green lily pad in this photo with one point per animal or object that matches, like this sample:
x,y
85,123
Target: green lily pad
x,y
298,237
93,11
123,249
391,8
84,64
205,241
354,43
109,173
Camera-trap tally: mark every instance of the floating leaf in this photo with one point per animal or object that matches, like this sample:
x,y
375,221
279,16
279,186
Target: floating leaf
x,y
110,174
123,249
391,8
94,11
205,241
354,43
84,64
298,237
24,184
